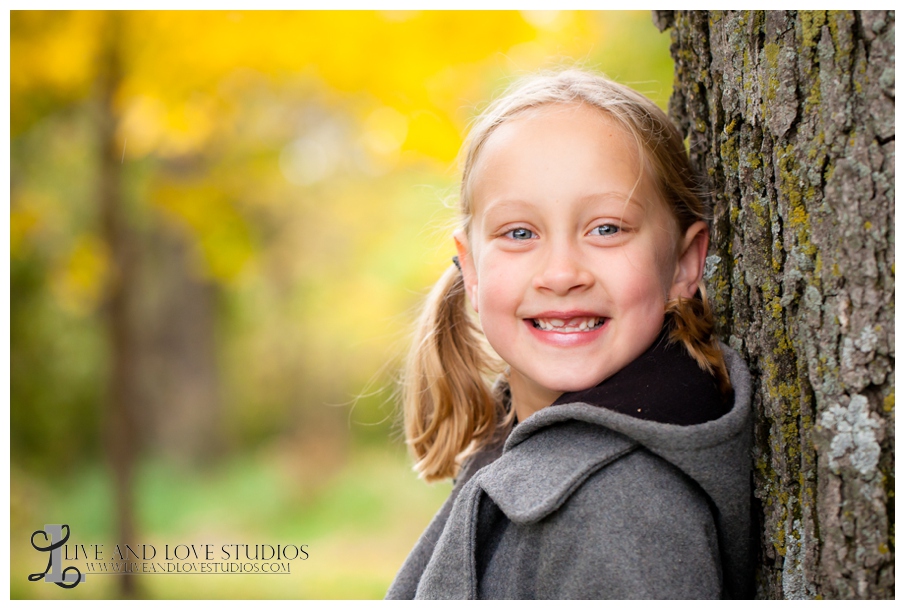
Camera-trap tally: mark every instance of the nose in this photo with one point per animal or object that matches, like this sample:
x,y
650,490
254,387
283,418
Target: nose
x,y
563,270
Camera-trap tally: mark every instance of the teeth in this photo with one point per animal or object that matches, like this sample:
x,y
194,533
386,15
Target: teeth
x,y
574,325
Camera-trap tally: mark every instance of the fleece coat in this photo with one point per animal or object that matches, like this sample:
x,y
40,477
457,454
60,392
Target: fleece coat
x,y
582,502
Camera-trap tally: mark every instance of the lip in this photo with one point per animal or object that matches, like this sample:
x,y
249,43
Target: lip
x,y
559,339
573,313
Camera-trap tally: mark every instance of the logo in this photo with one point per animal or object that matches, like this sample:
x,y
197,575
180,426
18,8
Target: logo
x,y
54,572
171,559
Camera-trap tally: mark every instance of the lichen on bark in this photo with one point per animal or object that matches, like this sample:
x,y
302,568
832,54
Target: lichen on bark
x,y
791,117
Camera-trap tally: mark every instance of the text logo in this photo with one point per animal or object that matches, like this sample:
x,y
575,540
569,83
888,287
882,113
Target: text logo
x,y
54,572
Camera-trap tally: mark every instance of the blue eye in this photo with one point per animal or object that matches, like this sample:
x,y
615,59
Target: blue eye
x,y
605,230
520,234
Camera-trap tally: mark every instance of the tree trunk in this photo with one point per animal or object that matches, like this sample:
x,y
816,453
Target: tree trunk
x,y
121,432
791,116
179,377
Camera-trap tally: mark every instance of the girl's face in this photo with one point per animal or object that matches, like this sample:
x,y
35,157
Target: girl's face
x,y
571,254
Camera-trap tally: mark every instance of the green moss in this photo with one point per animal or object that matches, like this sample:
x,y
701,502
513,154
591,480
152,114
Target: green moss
x,y
833,22
789,391
779,537
729,153
798,216
806,424
783,342
889,401
771,52
775,308
814,96
838,21
811,23
790,186
760,212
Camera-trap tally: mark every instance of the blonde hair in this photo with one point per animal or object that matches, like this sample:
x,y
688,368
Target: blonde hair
x,y
450,408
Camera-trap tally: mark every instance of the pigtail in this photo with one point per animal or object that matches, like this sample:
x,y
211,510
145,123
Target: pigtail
x,y
450,410
690,322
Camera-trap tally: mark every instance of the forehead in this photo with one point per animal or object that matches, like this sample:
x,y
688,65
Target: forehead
x,y
561,151
562,125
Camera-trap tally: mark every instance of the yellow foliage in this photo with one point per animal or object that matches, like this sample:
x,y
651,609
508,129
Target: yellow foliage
x,y
424,64
51,51
23,221
303,152
207,212
79,283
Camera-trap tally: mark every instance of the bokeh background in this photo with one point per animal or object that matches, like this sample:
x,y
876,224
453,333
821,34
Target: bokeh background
x,y
221,227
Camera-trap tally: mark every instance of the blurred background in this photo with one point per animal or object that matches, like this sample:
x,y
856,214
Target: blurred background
x,y
221,227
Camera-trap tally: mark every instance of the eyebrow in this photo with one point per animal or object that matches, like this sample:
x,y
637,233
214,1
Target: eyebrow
x,y
621,197
584,199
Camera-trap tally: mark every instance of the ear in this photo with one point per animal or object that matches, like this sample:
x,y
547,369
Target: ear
x,y
466,261
692,252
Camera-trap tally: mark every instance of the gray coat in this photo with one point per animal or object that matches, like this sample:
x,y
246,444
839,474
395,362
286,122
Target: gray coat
x,y
588,503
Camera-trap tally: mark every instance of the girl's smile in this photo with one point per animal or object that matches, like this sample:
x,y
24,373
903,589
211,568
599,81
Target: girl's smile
x,y
571,253
566,328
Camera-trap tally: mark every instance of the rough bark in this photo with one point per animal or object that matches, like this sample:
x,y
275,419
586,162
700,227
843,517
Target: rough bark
x,y
791,116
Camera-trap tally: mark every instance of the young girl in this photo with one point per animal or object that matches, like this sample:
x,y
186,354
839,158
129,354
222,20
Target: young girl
x,y
610,459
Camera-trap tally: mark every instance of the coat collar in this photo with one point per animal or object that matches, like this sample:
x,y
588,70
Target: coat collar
x,y
568,443
567,452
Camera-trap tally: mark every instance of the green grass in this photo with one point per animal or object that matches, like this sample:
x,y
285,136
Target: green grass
x,y
359,519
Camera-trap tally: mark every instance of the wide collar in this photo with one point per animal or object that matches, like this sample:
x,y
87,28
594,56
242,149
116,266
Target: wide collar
x,y
714,453
567,452
547,457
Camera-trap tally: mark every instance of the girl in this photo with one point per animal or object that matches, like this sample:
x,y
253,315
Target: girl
x,y
611,458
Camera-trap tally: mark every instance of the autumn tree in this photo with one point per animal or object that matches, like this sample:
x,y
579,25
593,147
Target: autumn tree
x,y
791,116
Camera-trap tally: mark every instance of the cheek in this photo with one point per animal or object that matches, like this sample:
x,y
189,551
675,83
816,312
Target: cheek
x,y
667,257
643,269
645,284
495,283
663,262
493,297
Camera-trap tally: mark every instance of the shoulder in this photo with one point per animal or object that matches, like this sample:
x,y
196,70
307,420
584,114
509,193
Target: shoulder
x,y
405,584
641,493
636,528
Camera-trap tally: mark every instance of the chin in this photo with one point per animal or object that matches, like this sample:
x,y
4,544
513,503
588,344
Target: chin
x,y
564,384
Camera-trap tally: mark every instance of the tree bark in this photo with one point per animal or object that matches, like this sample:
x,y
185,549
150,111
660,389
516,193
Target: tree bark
x,y
791,117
